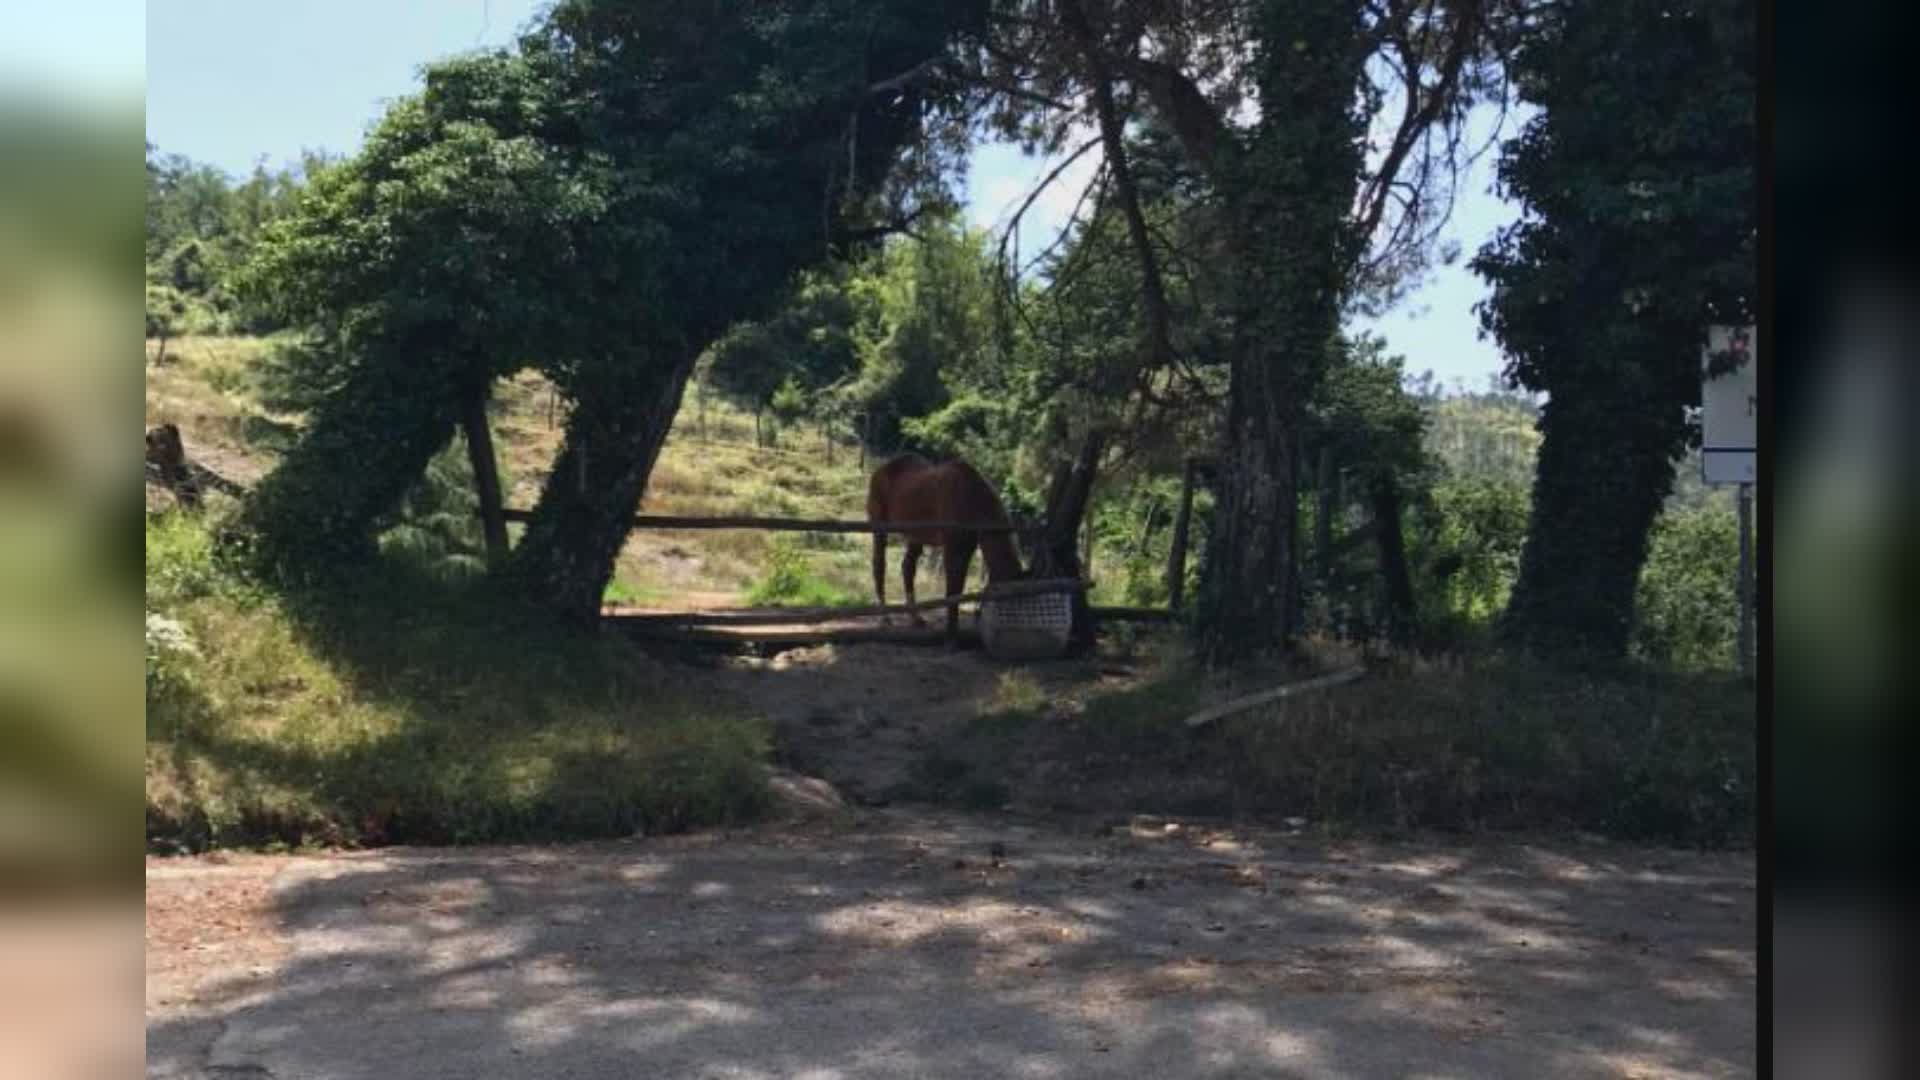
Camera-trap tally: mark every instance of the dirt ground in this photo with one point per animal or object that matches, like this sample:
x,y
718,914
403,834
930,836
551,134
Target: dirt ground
x,y
864,717
895,943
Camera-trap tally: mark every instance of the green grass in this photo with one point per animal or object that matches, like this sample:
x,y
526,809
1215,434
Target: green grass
x,y
790,582
412,710
619,592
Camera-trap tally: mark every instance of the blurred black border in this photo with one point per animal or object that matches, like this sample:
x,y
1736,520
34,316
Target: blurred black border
x,y
1838,198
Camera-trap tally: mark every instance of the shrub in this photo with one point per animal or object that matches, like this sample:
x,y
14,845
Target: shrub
x,y
789,582
1687,610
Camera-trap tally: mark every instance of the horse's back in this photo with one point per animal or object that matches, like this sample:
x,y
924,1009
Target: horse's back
x,y
911,488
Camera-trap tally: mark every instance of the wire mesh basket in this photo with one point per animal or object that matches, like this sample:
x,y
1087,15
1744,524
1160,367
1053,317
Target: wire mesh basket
x,y
1030,627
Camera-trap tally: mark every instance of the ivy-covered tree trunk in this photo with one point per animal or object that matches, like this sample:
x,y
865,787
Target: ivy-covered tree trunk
x,y
1291,195
1244,589
586,510
1639,235
369,443
1592,517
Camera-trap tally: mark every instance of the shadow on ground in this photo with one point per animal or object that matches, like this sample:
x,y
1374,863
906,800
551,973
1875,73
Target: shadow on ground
x,y
907,944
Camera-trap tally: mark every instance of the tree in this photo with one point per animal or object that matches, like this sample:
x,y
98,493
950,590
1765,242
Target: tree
x,y
1637,182
602,202
457,246
768,137
1306,223
924,319
807,345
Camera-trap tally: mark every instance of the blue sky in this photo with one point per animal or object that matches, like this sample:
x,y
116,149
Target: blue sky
x,y
233,82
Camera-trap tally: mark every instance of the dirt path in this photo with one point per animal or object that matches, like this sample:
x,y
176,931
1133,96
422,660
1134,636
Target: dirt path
x,y
862,716
909,944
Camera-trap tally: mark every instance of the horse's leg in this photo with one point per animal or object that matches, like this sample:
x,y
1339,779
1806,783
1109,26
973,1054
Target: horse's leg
x,y
909,565
958,555
880,573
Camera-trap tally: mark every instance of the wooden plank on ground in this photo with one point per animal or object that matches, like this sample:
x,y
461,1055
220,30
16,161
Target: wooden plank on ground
x,y
1264,697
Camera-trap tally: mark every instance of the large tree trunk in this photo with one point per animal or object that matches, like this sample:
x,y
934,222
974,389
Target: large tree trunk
x,y
1244,590
1604,470
586,510
1290,193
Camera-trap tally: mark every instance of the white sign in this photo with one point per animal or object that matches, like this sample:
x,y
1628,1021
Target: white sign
x,y
1728,408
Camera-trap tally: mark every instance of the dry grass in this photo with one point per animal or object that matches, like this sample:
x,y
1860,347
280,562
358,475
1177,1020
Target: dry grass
x,y
1456,743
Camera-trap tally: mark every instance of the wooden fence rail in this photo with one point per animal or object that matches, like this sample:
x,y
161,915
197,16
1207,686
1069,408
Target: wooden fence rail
x,y
780,524
825,614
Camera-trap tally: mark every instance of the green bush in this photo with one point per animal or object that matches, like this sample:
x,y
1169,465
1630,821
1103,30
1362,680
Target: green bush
x,y
1688,611
789,582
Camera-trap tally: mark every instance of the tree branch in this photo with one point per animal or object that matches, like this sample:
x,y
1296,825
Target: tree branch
x,y
1419,116
1153,295
906,78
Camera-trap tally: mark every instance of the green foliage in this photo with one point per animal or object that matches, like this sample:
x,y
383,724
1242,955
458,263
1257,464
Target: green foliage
x,y
201,224
172,313
789,582
807,346
1688,610
789,403
924,320
1469,545
667,169
436,531
184,564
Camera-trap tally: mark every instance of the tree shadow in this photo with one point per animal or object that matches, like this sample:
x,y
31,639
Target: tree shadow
x,y
460,716
934,946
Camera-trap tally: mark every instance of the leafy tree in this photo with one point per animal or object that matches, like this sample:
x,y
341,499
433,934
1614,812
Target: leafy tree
x,y
1284,185
925,320
201,226
807,345
602,202
1637,180
170,313
453,248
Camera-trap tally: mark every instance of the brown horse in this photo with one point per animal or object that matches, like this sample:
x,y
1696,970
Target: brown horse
x,y
911,488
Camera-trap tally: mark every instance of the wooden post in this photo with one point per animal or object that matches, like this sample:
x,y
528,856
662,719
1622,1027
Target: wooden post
x,y
1177,554
1086,548
486,473
1743,500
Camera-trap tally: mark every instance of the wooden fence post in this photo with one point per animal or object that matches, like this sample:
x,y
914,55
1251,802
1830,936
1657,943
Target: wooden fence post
x,y
1177,554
